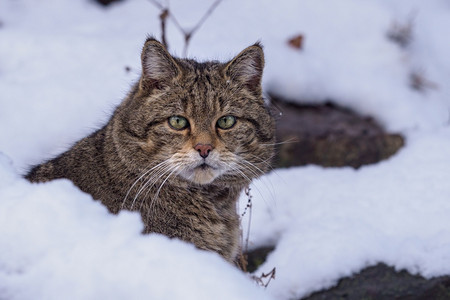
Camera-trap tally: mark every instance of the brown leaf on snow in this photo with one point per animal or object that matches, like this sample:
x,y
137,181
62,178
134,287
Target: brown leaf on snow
x,y
296,42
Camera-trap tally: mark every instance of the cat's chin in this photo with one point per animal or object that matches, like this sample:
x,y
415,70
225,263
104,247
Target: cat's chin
x,y
203,174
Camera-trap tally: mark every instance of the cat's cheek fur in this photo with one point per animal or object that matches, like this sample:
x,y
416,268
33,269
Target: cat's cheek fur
x,y
238,137
162,138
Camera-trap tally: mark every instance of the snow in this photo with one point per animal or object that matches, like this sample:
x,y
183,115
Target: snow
x,y
58,243
341,219
63,70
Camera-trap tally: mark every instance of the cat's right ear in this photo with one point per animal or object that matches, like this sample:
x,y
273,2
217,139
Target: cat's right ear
x,y
158,66
247,68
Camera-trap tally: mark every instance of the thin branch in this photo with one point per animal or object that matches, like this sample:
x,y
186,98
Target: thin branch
x,y
177,25
243,257
188,35
157,4
163,17
205,16
249,207
165,12
270,276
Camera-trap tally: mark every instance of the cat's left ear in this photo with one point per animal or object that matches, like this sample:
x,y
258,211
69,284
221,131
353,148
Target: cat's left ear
x,y
247,68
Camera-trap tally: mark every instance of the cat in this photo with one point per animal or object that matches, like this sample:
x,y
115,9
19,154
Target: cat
x,y
180,148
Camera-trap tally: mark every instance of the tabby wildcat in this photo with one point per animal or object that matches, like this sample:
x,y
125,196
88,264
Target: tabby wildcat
x,y
179,149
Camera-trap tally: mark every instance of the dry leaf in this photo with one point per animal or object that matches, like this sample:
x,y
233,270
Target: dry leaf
x,y
296,42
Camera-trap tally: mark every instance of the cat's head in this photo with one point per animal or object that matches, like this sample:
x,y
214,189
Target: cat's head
x,y
201,122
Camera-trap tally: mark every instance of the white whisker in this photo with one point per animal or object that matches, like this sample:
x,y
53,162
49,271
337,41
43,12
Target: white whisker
x,y
155,198
168,176
289,141
151,179
257,172
137,180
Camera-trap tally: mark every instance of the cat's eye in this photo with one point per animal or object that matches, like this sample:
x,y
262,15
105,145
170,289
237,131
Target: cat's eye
x,y
178,122
226,122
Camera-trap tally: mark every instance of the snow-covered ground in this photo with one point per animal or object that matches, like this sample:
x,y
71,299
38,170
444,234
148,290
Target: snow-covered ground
x,y
63,70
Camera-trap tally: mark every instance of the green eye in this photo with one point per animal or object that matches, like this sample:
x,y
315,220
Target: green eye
x,y
226,122
178,122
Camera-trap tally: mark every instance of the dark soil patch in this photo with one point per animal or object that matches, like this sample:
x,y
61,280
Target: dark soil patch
x,y
330,136
106,2
381,282
257,257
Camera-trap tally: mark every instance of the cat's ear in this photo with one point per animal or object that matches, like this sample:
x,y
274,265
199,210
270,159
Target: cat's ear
x,y
247,68
158,66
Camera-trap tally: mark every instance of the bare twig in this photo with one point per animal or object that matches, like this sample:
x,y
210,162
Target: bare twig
x,y
243,260
163,17
249,208
401,33
165,12
419,82
205,16
249,200
270,276
157,4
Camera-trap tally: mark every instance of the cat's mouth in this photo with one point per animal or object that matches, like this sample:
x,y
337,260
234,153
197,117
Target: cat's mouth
x,y
205,166
203,173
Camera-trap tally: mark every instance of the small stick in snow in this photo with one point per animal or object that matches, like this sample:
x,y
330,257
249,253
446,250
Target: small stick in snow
x,y
270,276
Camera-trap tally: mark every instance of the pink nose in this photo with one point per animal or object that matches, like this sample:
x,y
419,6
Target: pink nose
x,y
203,149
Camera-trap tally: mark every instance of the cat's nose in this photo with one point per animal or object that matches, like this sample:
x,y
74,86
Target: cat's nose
x,y
203,149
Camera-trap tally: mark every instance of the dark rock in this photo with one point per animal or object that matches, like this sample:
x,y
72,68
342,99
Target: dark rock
x,y
257,257
330,136
381,282
106,2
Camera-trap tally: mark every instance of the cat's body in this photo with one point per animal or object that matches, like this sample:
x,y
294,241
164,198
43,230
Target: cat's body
x,y
179,149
